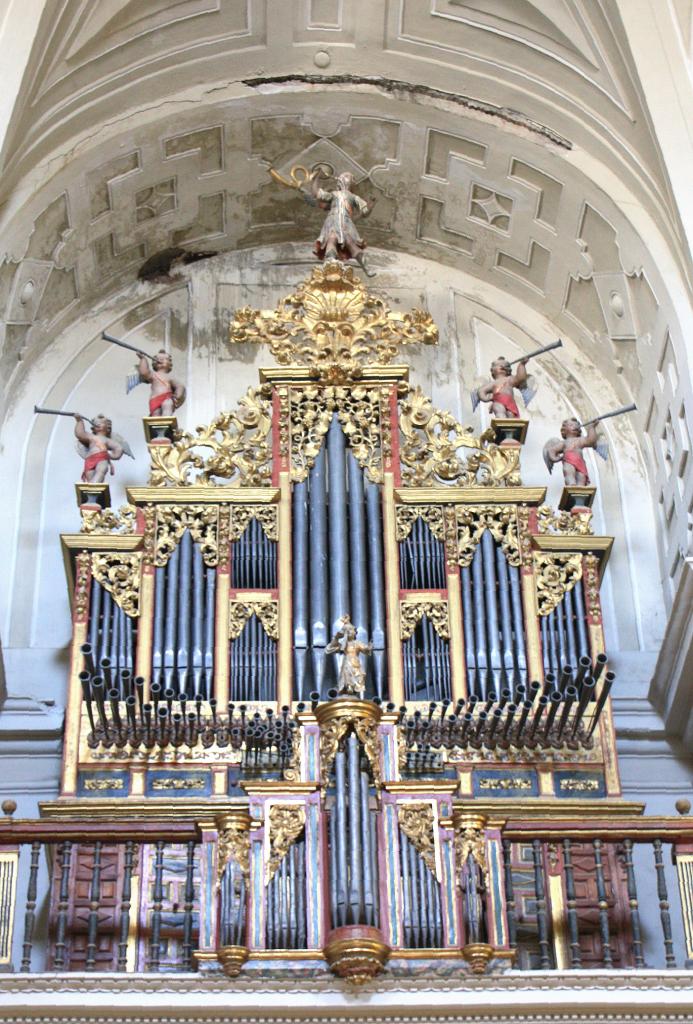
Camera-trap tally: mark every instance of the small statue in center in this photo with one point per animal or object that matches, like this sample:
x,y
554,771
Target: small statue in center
x,y
339,238
352,676
167,393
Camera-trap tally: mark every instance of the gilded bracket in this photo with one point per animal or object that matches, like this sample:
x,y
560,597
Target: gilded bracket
x,y
286,822
470,839
564,523
335,718
555,575
120,574
233,844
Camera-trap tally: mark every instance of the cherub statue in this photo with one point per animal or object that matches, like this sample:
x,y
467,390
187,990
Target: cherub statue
x,y
352,677
339,238
167,393
98,448
568,449
500,390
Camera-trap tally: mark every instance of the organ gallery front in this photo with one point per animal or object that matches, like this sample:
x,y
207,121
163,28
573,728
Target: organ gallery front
x,y
339,692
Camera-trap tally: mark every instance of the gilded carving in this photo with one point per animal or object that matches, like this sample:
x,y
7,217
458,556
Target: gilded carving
x,y
239,444
432,515
437,449
564,523
224,536
580,785
410,613
470,840
83,565
555,575
233,844
266,515
525,537
178,784
418,824
149,539
97,785
331,734
173,520
120,573
499,520
266,611
592,602
108,520
286,822
507,782
333,324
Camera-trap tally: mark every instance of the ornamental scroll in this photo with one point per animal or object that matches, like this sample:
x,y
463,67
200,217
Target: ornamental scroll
x,y
555,574
120,574
436,449
411,612
334,324
286,822
239,444
108,520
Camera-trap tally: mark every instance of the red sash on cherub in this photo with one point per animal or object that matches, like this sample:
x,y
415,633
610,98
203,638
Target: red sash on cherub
x,y
158,400
92,461
575,459
508,401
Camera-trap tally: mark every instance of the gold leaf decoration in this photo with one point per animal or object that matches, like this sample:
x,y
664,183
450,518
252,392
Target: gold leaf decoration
x,y
470,840
437,449
286,822
119,573
418,824
266,611
81,598
173,520
432,515
564,523
499,520
555,574
233,844
411,612
239,444
266,515
108,520
334,324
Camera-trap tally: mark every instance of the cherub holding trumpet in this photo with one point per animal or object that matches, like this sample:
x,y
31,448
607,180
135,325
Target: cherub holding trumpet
x,y
339,238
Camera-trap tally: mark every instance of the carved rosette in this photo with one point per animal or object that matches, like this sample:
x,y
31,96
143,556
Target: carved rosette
x,y
266,515
555,575
122,521
333,324
238,445
173,520
266,611
417,822
411,612
436,449
563,523
286,822
120,573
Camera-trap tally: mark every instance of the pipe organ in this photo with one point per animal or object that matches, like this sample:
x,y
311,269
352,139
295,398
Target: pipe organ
x,y
296,815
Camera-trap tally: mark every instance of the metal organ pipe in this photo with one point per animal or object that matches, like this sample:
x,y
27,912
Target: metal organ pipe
x,y
376,578
337,537
358,549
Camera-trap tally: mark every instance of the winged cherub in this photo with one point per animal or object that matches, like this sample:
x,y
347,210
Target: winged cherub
x,y
167,393
499,391
98,448
568,449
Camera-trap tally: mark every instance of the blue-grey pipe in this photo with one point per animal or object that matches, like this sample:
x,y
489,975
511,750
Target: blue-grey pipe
x,y
569,610
489,563
198,612
358,549
479,621
468,623
406,889
319,613
94,614
581,620
518,621
355,848
183,631
210,614
341,835
171,621
505,616
338,542
368,899
300,564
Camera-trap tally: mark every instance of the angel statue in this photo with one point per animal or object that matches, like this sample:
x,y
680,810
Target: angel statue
x,y
339,238
167,393
352,677
98,447
500,390
569,446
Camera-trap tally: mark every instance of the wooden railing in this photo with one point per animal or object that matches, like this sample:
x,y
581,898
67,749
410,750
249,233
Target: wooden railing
x,y
163,896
